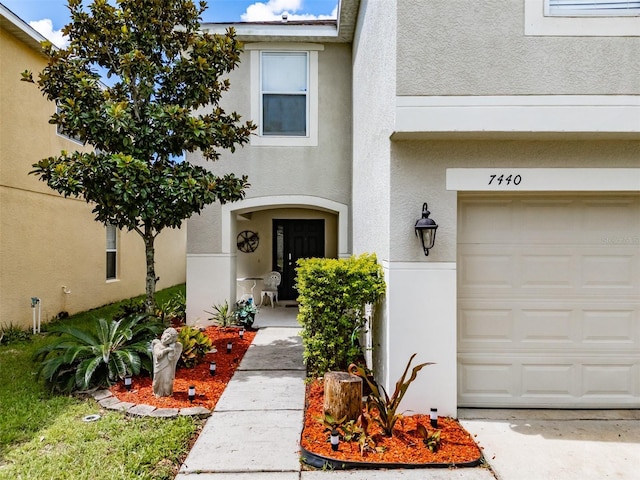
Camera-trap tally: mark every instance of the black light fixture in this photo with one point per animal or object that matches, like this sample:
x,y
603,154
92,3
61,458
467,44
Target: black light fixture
x,y
335,439
127,382
241,333
433,417
229,346
192,393
426,230
212,368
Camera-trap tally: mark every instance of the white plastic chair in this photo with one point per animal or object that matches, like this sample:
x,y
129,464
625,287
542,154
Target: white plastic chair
x,y
270,289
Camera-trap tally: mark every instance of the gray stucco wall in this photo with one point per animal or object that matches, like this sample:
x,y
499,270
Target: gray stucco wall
x,y
464,47
323,171
419,174
374,102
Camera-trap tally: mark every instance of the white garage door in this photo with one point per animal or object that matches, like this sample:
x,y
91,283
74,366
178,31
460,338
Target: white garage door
x,y
549,300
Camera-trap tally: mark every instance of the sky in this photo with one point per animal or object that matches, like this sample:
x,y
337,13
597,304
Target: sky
x,y
49,16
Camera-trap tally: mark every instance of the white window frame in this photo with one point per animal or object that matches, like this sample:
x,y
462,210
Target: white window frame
x,y
584,8
114,229
539,21
311,139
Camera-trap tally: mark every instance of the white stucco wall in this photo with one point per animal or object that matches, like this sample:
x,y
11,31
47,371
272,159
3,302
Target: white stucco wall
x,y
484,51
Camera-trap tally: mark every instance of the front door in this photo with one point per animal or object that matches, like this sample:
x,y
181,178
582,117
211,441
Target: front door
x,y
294,239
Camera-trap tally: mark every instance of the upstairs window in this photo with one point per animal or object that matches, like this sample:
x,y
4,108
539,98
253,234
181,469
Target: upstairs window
x,y
112,252
592,7
284,93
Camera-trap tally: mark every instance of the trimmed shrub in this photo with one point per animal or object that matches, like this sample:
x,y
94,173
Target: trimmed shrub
x,y
332,297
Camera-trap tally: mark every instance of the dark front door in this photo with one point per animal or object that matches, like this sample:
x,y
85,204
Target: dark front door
x,y
294,239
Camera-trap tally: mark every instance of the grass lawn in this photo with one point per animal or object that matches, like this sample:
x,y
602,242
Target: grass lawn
x,y
43,436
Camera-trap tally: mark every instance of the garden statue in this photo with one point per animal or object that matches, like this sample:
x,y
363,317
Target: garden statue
x,y
166,353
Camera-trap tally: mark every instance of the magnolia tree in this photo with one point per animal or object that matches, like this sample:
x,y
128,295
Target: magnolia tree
x,y
162,71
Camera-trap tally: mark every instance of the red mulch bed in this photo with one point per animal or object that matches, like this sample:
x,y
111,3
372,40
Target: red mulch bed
x,y
404,447
208,388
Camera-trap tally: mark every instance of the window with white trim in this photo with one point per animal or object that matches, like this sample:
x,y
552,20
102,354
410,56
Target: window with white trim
x,y
592,7
284,93
284,87
582,18
112,252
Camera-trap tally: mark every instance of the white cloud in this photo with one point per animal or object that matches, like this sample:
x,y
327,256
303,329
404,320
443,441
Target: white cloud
x,y
45,28
273,10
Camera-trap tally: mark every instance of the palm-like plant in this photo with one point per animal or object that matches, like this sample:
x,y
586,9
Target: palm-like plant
x,y
379,401
98,353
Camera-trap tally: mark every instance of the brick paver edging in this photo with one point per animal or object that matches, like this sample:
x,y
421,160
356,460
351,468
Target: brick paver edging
x,y
107,400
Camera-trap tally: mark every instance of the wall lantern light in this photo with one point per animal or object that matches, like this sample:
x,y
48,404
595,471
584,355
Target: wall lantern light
x,y
426,230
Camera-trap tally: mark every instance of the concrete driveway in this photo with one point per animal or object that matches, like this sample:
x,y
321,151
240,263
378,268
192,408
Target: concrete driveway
x,y
557,444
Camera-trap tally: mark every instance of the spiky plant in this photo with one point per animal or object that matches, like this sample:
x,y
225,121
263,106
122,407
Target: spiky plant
x,y
384,406
98,353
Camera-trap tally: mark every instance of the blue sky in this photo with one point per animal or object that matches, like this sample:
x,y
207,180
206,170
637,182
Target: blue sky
x,y
49,16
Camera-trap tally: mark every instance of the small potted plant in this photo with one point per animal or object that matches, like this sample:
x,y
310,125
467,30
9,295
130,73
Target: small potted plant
x,y
245,313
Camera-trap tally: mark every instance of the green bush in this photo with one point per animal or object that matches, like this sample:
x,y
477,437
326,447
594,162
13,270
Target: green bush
x,y
97,353
13,333
223,316
195,346
174,310
332,296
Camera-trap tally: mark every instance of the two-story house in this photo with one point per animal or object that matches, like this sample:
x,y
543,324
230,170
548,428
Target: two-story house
x,y
51,249
518,123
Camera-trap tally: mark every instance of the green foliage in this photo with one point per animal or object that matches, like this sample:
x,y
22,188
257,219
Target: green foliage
x,y
150,114
22,425
133,306
222,315
13,333
116,446
96,354
174,310
332,296
430,439
195,346
351,431
384,409
245,313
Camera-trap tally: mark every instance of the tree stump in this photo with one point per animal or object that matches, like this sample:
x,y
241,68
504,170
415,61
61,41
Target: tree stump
x,y
342,395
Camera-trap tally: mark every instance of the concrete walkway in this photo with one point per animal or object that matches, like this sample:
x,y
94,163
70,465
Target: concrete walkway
x,y
254,431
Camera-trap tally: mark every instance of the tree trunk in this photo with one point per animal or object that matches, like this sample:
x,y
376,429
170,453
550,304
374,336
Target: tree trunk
x,y
342,395
150,284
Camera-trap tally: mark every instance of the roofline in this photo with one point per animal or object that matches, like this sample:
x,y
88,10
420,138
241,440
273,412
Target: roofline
x,y
22,30
339,30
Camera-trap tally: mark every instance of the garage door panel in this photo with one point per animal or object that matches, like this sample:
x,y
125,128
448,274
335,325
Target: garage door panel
x,y
551,306
611,272
484,270
616,328
567,325
569,270
561,381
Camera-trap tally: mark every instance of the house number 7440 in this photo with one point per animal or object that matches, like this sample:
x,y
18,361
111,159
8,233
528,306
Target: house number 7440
x,y
506,179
